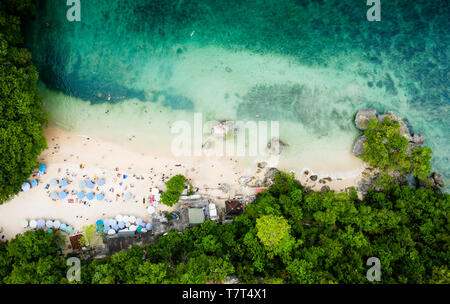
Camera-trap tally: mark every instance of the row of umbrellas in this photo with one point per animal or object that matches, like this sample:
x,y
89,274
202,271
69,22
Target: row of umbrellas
x,y
127,223
47,224
27,185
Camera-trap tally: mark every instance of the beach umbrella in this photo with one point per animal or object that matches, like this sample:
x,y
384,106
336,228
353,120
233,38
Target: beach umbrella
x,y
100,196
69,229
155,191
151,209
42,168
26,186
24,224
112,222
82,184
119,217
56,224
100,228
34,183
132,219
49,231
115,227
64,183
139,222
143,224
80,195
54,195
99,223
132,228
62,194
121,224
111,231
89,184
49,224
128,196
126,218
33,224
63,227
40,223
106,227
149,226
53,182
90,196
139,229
101,182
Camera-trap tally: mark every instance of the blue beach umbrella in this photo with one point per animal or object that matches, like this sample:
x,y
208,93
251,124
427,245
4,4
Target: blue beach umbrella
x,y
115,227
62,227
53,182
62,194
89,184
82,184
54,195
42,168
99,223
121,225
69,229
128,196
139,222
64,183
143,224
49,224
34,182
113,222
80,195
26,186
139,229
49,231
90,196
101,182
41,223
149,226
100,196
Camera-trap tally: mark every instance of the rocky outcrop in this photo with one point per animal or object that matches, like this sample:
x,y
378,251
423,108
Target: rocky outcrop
x,y
363,116
434,181
358,148
275,146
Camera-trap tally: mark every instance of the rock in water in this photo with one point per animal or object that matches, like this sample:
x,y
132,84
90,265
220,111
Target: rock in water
x,y
275,146
363,116
221,129
358,148
418,139
262,165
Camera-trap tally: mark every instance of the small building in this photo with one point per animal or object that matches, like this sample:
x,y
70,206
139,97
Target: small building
x,y
196,216
75,241
233,208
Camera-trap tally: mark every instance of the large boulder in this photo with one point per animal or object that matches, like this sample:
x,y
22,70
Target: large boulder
x,y
418,139
358,147
270,175
363,116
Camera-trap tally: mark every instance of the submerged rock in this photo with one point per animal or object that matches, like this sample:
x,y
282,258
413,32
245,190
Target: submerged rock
x,y
222,128
363,116
275,146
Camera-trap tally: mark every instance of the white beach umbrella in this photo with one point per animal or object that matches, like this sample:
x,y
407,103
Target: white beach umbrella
x,y
119,217
132,219
155,191
49,224
24,223
33,224
56,224
132,228
111,231
126,218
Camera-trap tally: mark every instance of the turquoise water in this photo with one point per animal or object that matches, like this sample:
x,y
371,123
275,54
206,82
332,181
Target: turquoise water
x,y
308,64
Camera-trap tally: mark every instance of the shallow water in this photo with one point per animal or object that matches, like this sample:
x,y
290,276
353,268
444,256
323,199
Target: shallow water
x,y
308,64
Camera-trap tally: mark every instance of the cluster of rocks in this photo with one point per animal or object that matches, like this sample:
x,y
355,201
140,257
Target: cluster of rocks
x,y
434,180
275,146
220,129
362,119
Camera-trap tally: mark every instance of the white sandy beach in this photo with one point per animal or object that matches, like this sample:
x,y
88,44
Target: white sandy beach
x,y
144,170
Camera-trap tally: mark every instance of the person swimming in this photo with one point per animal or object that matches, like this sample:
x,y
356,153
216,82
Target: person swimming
x,y
109,96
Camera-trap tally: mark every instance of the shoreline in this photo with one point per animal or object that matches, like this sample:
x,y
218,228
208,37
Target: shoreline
x,y
68,150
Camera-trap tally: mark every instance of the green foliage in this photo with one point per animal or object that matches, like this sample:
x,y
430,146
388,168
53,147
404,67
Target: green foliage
x,y
175,186
21,114
387,149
